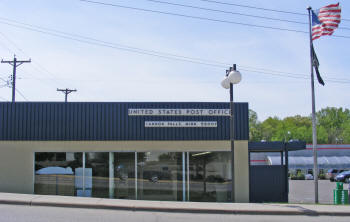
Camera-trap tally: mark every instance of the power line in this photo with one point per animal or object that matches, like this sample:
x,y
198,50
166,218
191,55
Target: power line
x,y
202,18
5,46
163,55
49,30
1,78
190,16
234,13
19,92
258,8
253,7
3,98
35,64
299,76
288,73
127,47
7,83
139,51
226,12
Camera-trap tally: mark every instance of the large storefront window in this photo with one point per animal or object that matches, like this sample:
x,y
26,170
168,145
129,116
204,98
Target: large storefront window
x,y
210,176
173,176
56,173
159,176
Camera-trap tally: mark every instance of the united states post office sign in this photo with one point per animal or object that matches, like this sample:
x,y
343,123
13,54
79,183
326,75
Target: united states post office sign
x,y
179,112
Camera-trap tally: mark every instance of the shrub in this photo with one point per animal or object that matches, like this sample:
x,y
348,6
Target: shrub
x,y
322,176
298,176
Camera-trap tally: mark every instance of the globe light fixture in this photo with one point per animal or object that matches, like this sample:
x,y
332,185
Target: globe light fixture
x,y
234,77
225,83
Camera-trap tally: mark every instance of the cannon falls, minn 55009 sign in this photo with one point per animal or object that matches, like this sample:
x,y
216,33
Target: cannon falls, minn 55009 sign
x,y
181,124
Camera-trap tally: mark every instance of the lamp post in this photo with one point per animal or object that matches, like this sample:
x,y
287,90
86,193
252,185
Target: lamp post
x,y
232,77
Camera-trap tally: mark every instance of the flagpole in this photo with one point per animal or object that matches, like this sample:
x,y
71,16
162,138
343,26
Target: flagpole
x,y
314,134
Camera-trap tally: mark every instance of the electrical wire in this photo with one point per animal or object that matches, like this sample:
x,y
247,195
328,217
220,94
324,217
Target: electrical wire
x,y
234,13
8,49
113,46
49,30
1,78
258,8
225,12
192,17
3,98
169,56
212,63
202,18
252,7
35,65
288,73
344,81
19,92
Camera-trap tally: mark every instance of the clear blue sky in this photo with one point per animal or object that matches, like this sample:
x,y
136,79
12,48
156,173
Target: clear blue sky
x,y
106,74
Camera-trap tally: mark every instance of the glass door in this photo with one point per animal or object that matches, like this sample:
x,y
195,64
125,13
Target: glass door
x,y
123,179
160,176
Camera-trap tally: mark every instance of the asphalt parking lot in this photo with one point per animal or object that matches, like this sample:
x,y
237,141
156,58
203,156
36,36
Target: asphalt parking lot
x,y
302,191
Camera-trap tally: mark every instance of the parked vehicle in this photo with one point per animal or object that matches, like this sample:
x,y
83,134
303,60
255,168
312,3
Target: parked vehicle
x,y
332,173
309,176
343,177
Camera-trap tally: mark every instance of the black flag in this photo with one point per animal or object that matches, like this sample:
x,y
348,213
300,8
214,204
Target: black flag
x,y
316,64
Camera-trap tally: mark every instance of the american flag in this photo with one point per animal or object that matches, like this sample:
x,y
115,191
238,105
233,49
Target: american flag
x,y
325,20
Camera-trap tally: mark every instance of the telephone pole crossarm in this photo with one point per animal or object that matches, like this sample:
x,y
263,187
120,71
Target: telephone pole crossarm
x,y
66,92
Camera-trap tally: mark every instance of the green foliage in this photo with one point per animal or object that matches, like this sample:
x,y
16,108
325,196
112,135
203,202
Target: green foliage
x,y
333,126
322,176
255,126
298,176
334,120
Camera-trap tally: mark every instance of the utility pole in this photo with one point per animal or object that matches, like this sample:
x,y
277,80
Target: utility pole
x,y
15,63
66,92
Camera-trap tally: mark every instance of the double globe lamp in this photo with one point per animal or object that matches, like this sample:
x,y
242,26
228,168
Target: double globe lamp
x,y
232,77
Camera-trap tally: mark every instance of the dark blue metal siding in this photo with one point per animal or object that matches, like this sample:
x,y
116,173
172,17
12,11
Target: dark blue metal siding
x,y
268,184
110,121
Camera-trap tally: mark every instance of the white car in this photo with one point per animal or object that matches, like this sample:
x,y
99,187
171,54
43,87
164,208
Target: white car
x,y
309,177
55,170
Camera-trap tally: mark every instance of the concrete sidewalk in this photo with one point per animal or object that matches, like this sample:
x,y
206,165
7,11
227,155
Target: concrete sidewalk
x,y
168,206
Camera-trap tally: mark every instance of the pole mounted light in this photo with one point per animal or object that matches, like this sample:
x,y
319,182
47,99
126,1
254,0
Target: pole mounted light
x,y
232,77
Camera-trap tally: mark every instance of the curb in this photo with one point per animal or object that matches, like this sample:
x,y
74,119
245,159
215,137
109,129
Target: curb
x,y
176,210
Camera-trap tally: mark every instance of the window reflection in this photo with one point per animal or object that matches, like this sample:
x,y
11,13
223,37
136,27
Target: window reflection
x,y
210,176
55,173
159,176
96,175
124,175
112,175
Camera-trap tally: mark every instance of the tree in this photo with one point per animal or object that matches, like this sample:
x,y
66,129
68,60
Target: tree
x,y
334,121
254,127
346,134
299,128
270,128
333,126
